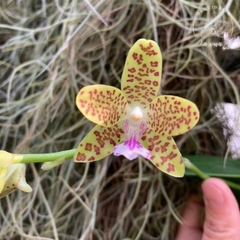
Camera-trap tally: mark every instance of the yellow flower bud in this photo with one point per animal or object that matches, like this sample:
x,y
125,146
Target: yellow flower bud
x,y
14,179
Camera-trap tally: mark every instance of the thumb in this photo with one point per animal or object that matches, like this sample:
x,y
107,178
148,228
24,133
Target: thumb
x,y
222,220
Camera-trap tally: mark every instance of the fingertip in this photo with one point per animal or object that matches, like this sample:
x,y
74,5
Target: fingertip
x,y
216,182
216,191
222,212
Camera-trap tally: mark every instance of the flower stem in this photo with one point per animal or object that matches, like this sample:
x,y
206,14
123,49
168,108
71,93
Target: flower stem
x,y
204,176
46,157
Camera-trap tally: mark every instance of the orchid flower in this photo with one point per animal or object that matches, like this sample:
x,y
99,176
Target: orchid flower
x,y
12,173
6,160
135,121
15,179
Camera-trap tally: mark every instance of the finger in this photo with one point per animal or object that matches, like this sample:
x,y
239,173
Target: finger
x,y
191,220
222,211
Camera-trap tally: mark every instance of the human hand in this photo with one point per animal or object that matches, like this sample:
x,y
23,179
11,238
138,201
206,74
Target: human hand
x,y
222,217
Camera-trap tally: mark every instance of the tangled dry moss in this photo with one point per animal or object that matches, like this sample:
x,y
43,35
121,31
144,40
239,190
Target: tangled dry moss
x,y
49,50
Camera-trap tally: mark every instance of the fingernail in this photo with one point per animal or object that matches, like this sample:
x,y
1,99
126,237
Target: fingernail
x,y
215,196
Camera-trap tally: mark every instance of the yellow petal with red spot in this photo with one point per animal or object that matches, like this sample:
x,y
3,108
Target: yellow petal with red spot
x,y
103,105
141,76
164,153
171,115
99,143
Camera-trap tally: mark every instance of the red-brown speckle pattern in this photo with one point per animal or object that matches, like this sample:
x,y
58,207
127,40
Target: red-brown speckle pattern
x,y
99,143
163,155
142,72
171,168
103,105
171,116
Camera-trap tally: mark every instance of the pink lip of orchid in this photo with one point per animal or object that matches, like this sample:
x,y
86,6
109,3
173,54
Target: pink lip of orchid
x,y
135,121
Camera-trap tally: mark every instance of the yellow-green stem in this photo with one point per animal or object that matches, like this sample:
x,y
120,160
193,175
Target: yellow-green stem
x,y
46,157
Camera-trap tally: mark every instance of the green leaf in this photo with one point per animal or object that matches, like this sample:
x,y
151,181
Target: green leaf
x,y
214,166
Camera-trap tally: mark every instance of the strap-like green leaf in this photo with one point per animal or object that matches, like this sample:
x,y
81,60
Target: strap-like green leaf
x,y
214,166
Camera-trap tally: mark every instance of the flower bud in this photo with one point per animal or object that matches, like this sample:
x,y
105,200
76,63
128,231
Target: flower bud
x,y
49,165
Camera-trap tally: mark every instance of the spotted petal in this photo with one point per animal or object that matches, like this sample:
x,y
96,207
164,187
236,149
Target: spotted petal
x,y
164,154
171,115
142,72
103,105
99,143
